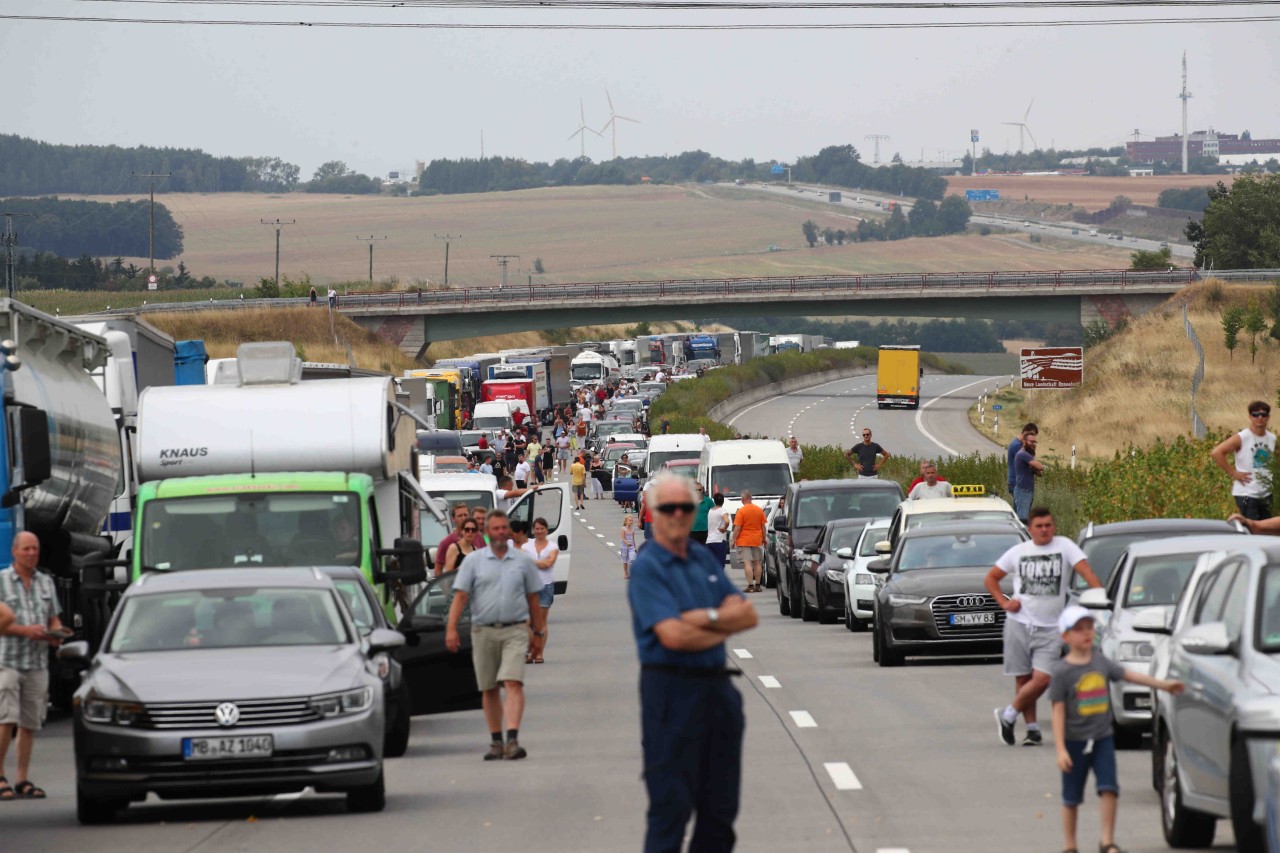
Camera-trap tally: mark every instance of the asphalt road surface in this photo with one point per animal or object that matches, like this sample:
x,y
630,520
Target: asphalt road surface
x,y
840,755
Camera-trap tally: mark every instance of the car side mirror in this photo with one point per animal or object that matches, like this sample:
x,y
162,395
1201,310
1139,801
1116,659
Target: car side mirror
x,y
412,625
884,546
1153,620
384,639
779,521
37,459
1208,639
77,652
1095,599
844,553
810,549
412,563
879,567
562,542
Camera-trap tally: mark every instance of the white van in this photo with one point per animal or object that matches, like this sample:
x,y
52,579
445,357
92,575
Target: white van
x,y
685,445
756,465
493,416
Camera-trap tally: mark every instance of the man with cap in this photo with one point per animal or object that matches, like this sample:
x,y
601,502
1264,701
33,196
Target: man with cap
x,y
1042,568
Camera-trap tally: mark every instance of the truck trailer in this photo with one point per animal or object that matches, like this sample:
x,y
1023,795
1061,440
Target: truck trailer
x,y
898,377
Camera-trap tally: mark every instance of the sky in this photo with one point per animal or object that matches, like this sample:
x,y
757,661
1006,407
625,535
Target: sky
x,y
379,99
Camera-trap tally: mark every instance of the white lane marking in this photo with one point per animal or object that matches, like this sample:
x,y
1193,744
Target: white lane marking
x,y
920,415
892,850
599,535
734,419
769,681
611,545
742,653
589,527
842,776
803,719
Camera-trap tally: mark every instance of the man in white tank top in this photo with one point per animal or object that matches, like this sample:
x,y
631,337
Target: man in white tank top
x,y
1250,473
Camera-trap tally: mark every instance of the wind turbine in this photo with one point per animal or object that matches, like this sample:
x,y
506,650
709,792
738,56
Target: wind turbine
x,y
613,123
1022,128
582,128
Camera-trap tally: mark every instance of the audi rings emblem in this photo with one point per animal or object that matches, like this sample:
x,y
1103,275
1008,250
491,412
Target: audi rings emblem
x,y
971,601
227,714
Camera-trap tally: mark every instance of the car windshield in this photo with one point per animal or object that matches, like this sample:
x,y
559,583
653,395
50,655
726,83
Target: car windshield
x,y
690,471
606,429
442,442
844,537
357,602
928,519
953,552
1159,580
629,405
493,423
228,618
662,457
1269,611
873,535
279,529
817,508
759,478
586,372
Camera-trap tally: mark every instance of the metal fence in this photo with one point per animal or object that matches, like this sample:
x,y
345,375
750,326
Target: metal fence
x,y
1197,425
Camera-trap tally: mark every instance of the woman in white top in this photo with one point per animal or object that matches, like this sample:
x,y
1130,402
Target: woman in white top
x,y
718,527
544,555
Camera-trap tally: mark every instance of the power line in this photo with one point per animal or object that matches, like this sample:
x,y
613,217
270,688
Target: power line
x,y
277,224
371,240
151,233
447,238
503,261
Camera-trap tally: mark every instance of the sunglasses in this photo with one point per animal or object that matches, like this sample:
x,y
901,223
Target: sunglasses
x,y
1259,414
469,529
672,509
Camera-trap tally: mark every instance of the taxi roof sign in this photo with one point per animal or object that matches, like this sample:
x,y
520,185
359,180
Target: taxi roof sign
x,y
968,491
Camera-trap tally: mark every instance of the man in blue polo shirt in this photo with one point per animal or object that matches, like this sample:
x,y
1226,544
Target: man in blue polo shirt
x,y
683,608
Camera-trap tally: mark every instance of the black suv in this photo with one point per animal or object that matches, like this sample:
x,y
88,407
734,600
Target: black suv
x,y
804,510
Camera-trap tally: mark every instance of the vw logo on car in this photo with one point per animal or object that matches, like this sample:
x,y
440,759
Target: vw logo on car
x,y
227,714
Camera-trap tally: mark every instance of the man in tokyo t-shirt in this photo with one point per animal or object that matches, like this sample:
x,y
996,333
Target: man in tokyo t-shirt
x,y
1042,569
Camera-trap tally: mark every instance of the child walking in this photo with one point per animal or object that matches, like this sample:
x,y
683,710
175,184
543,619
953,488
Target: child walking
x,y
627,546
1082,724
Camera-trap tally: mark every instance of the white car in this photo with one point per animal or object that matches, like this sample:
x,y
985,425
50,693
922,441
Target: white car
x,y
860,584
970,504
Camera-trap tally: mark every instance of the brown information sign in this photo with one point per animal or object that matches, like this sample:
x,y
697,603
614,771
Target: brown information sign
x,y
1052,367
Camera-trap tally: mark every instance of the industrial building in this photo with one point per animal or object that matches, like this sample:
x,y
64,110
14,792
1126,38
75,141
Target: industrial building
x,y
1201,143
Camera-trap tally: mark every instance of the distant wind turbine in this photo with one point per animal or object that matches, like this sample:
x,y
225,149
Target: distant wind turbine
x,y
1022,128
581,132
612,123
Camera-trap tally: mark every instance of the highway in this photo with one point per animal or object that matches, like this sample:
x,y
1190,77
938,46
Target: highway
x,y
840,754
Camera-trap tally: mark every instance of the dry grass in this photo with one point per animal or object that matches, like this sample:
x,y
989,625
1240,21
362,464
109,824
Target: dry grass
x,y
1090,193
1138,384
581,234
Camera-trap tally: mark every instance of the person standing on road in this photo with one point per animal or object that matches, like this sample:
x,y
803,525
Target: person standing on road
x,y
32,599
748,539
460,513
523,473
683,608
1026,467
544,555
1254,448
1011,451
627,545
1042,569
932,486
794,455
468,541
867,457
562,452
314,297
928,463
503,588
333,299
718,528
701,516
578,482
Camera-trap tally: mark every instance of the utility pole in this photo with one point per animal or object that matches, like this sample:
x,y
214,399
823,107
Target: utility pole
x,y
10,239
503,260
277,224
973,141
875,138
371,240
447,238
151,242
1184,96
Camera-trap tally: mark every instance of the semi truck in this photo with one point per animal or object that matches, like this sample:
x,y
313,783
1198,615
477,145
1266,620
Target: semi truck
x,y
797,343
626,353
594,368
473,370
522,393
898,377
704,347
532,370
273,471
462,402
557,361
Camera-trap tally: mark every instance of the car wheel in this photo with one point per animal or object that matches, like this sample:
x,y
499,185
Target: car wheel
x,y
92,811
396,741
770,578
807,613
825,614
794,600
1182,826
784,607
1249,836
370,798
888,655
1126,737
1157,758
850,621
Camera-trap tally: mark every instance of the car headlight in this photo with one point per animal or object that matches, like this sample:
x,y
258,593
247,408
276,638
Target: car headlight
x,y
1136,652
111,712
898,600
350,702
865,579
836,575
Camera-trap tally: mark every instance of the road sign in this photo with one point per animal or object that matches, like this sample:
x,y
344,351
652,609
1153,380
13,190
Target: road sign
x,y
982,195
973,135
997,407
778,169
1052,367
151,282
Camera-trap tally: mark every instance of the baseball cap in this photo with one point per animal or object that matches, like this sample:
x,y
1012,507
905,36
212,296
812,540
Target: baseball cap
x,y
1071,616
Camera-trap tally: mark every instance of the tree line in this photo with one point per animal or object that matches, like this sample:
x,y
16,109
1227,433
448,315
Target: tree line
x,y
842,166
925,220
71,228
46,271
1238,230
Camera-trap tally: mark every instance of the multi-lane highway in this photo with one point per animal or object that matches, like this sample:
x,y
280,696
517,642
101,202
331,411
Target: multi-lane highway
x,y
840,754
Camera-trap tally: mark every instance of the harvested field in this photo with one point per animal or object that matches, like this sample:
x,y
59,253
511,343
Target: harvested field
x,y
1088,192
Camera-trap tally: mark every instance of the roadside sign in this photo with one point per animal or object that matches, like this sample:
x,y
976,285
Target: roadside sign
x,y
982,195
973,135
996,407
778,169
1052,367
151,282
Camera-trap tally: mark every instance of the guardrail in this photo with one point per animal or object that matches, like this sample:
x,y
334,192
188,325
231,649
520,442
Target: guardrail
x,y
1198,428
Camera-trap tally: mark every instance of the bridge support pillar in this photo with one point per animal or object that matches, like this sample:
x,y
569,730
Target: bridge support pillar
x,y
1113,309
407,331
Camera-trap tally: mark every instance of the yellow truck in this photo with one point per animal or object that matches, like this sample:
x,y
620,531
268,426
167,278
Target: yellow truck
x,y
462,404
898,377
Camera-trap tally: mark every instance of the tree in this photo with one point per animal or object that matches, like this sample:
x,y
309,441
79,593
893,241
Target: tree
x,y
1160,259
829,236
1239,227
1121,202
1273,308
537,266
924,219
1255,322
810,229
896,228
953,214
332,169
841,236
183,276
1232,323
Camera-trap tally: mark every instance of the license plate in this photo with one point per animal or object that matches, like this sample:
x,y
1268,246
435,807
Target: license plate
x,y
211,748
973,619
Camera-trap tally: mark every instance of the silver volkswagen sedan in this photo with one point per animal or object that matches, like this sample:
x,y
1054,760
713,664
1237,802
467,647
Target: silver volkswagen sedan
x,y
229,683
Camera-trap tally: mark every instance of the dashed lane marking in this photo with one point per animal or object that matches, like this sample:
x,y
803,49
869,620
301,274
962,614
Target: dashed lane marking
x,y
742,653
803,719
842,776
611,545
769,681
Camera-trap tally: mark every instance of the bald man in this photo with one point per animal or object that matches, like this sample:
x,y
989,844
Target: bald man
x,y
24,660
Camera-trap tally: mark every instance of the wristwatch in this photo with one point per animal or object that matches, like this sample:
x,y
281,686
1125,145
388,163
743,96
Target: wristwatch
x,y
539,633
713,615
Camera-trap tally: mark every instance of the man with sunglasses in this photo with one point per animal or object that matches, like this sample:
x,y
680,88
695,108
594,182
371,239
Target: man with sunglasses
x,y
1250,471
683,608
867,457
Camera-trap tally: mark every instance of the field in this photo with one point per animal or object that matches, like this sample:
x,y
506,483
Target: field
x,y
581,234
1088,192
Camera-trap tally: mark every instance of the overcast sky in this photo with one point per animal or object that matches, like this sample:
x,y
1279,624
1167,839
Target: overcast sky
x,y
379,99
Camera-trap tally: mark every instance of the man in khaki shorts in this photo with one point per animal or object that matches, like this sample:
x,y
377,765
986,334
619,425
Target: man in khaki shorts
x,y
503,587
29,606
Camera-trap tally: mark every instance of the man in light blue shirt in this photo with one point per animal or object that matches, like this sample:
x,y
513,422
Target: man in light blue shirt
x,y
502,586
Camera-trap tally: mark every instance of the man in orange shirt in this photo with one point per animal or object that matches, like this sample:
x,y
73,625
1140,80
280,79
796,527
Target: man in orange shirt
x,y
748,539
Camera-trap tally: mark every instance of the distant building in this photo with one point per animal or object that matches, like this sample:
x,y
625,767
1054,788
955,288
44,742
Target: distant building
x,y
1202,143
1135,172
1085,161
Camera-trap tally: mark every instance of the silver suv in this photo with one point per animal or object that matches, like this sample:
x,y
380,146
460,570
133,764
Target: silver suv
x,y
229,683
1224,730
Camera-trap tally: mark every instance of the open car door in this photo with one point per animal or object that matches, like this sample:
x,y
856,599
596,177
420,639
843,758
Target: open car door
x,y
551,503
438,680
